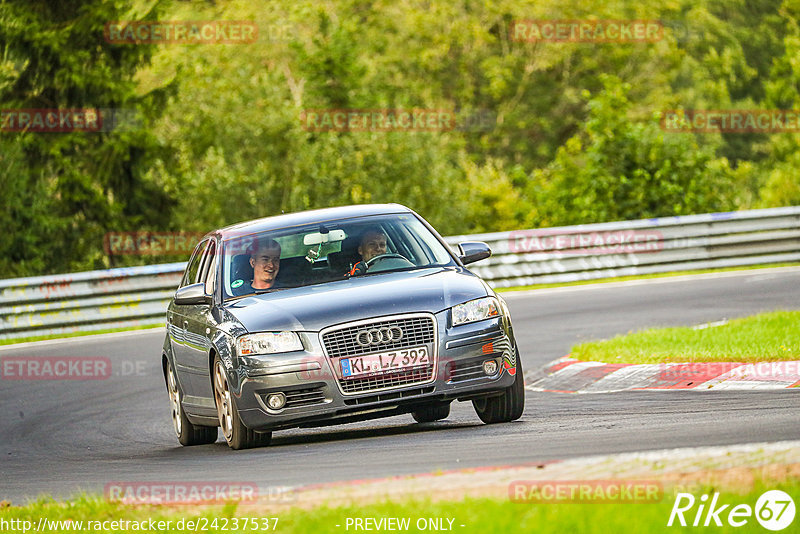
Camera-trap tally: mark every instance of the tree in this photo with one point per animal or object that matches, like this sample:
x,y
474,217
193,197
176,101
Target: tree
x,y
63,191
617,169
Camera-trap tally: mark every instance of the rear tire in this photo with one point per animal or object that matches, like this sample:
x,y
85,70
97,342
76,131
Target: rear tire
x,y
188,433
506,407
236,434
431,412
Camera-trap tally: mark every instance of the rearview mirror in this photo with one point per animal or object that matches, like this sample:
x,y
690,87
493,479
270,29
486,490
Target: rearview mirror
x,y
318,237
472,251
192,294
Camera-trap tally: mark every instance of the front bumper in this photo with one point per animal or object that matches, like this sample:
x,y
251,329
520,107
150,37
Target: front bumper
x,y
314,396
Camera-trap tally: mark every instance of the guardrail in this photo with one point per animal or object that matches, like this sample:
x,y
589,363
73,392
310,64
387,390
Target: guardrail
x,y
604,250
138,295
94,300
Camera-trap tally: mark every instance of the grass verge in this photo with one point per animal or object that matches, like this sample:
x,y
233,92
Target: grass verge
x,y
479,515
771,336
645,277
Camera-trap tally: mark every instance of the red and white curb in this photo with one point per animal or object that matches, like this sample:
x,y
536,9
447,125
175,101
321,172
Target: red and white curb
x,y
568,375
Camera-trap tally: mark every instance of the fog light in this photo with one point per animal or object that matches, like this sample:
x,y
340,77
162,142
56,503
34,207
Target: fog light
x,y
276,401
489,367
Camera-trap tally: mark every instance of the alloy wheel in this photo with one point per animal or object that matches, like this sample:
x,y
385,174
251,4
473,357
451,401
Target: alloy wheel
x,y
175,401
222,395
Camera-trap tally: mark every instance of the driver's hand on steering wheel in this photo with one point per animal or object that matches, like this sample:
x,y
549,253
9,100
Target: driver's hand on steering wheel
x,y
358,268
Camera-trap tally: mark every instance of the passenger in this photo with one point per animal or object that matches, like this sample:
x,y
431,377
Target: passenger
x,y
372,243
265,259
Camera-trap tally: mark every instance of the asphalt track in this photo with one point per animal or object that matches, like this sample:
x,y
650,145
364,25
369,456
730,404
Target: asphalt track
x,y
61,437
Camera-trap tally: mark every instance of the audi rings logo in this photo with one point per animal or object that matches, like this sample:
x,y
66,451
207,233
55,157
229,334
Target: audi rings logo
x,y
376,336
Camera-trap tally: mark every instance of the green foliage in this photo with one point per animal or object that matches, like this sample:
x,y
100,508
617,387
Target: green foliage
x,y
63,191
782,187
575,135
617,169
494,204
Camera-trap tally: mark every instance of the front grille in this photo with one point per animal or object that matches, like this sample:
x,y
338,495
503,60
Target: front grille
x,y
390,395
342,343
304,397
418,330
357,385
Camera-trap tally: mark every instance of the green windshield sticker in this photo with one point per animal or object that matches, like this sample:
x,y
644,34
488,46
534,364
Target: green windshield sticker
x,y
237,283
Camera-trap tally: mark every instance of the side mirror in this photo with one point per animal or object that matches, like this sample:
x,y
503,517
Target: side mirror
x,y
472,251
192,294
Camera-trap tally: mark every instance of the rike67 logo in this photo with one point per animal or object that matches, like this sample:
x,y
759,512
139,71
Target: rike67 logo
x,y
774,510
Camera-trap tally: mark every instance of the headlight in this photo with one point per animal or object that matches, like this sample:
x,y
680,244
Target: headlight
x,y
268,343
475,310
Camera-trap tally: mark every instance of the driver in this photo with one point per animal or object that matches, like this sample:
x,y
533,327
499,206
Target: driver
x,y
373,243
265,259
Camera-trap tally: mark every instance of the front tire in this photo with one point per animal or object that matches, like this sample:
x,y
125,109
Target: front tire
x,y
236,434
188,434
506,407
431,412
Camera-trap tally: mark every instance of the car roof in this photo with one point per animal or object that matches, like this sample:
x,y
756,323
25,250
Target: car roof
x,y
307,217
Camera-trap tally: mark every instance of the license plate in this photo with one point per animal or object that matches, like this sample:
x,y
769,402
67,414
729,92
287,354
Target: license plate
x,y
384,362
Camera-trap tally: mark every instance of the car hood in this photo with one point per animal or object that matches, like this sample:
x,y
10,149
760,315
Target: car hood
x,y
313,308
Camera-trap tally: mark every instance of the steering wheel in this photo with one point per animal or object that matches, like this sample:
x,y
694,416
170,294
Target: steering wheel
x,y
373,262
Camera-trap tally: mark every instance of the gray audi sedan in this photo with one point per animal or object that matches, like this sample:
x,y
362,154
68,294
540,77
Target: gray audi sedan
x,y
333,316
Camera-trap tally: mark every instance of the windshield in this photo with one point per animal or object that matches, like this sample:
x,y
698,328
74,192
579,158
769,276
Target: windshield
x,y
333,251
